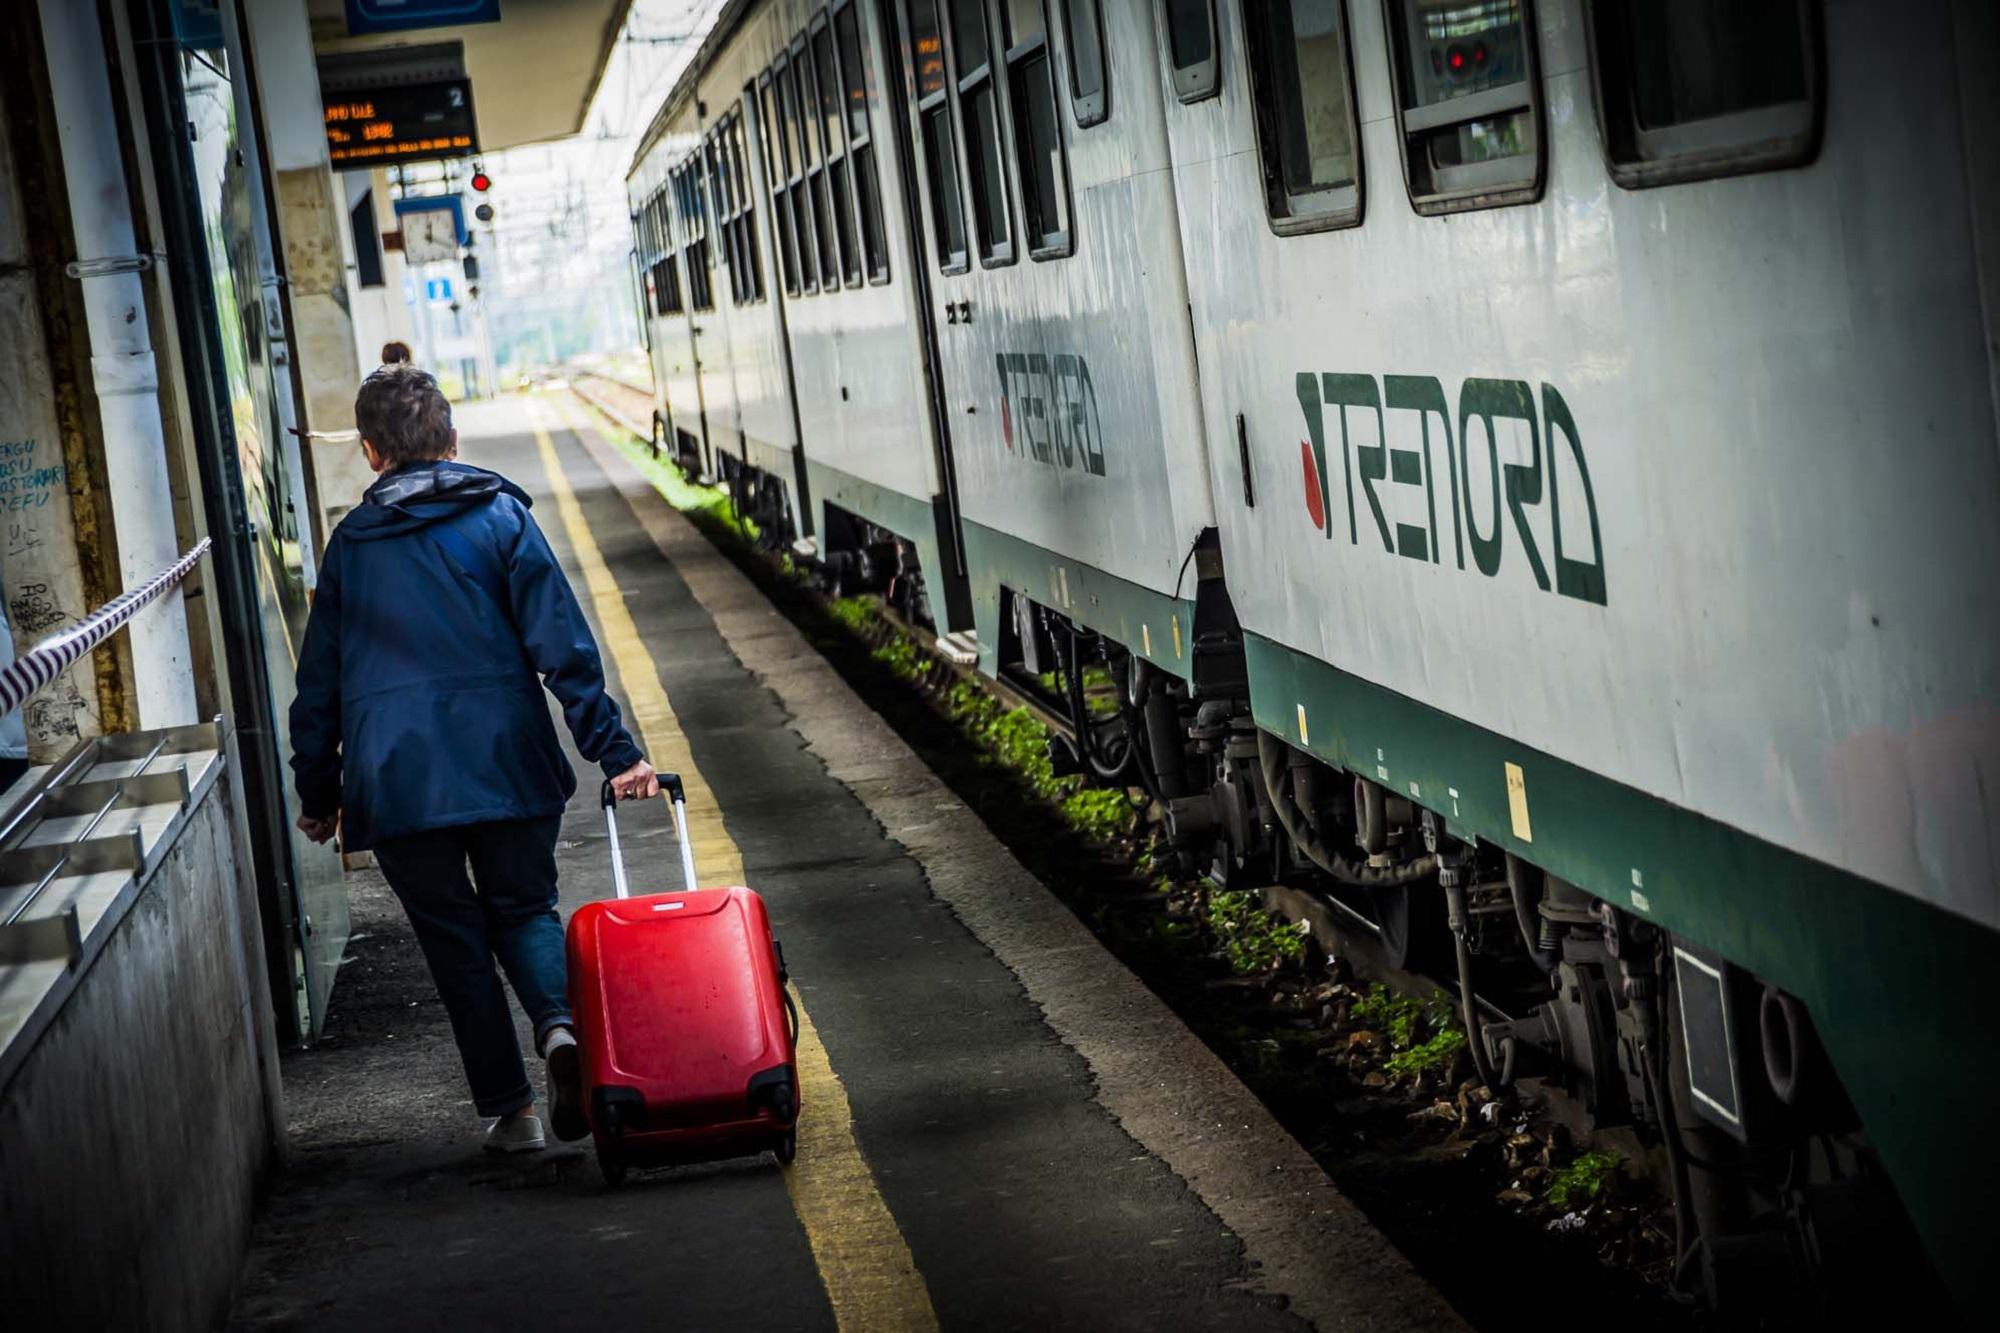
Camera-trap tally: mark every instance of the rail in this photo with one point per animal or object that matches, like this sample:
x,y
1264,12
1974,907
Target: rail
x,y
54,655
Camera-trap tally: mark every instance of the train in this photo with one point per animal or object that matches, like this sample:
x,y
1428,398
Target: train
x,y
1528,466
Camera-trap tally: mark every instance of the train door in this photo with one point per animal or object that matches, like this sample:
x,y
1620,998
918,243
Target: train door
x,y
683,298
709,320
934,230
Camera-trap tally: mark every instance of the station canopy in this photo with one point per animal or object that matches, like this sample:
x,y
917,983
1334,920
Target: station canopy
x,y
533,71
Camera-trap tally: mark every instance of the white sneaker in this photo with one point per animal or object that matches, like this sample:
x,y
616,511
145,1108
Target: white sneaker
x,y
566,1116
521,1134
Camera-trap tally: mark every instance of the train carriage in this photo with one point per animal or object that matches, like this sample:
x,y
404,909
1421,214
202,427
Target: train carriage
x,y
1063,346
820,297
1529,468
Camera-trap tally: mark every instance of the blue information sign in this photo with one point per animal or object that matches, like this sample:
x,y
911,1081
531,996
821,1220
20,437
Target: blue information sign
x,y
437,289
365,16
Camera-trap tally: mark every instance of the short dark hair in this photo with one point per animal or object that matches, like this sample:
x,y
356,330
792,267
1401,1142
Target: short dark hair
x,y
402,412
393,353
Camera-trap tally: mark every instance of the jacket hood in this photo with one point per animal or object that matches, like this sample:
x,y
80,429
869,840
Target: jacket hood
x,y
419,494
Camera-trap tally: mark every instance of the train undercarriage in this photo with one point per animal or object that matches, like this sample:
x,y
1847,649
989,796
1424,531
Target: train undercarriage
x,y
1780,1207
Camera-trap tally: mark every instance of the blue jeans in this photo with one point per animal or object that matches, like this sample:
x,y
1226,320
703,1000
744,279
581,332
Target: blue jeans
x,y
510,915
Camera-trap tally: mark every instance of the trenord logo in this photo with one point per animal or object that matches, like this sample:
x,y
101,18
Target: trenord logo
x,y
1478,515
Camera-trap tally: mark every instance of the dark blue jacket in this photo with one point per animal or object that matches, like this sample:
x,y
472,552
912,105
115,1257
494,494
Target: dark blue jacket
x,y
440,614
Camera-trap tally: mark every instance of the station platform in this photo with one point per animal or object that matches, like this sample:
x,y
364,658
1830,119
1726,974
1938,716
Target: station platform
x,y
1003,1127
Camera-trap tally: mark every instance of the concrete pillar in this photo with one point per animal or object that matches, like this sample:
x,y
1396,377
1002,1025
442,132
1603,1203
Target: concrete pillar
x,y
40,575
123,374
312,210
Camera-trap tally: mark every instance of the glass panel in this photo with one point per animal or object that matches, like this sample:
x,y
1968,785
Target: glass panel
x,y
1696,59
787,134
781,209
808,135
874,244
1482,140
1188,32
829,258
853,72
769,132
968,35
1454,49
843,221
802,214
828,81
947,213
1024,21
926,48
1041,150
982,152
1304,60
1086,49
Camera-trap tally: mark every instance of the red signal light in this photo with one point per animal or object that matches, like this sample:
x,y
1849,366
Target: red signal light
x,y
481,182
1455,58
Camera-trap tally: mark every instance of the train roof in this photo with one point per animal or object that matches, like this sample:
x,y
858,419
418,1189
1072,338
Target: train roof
x,y
726,24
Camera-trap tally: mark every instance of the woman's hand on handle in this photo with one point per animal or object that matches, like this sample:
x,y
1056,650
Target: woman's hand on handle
x,y
636,783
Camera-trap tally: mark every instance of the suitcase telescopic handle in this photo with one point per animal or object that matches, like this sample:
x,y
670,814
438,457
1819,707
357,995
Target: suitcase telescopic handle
x,y
676,794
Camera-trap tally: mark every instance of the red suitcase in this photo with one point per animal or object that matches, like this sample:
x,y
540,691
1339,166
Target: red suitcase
x,y
685,1027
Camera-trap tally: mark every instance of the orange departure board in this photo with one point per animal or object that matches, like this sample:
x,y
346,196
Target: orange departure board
x,y
411,122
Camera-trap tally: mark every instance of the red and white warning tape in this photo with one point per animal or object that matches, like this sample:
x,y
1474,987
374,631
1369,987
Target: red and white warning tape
x,y
54,655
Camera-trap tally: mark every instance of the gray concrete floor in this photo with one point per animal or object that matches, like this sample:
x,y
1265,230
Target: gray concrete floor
x,y
1056,1151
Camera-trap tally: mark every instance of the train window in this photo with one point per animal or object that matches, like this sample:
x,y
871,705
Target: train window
x,y
797,197
734,213
745,223
694,235
1191,47
747,220
1302,87
947,211
812,155
1468,102
979,113
833,128
1089,90
768,133
1704,88
968,33
1037,130
926,60
667,287
856,82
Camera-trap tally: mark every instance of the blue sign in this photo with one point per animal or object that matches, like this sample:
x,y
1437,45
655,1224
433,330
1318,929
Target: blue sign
x,y
437,290
365,16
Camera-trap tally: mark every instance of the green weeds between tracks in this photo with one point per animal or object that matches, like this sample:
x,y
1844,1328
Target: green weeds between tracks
x,y
1423,1034
1583,1181
1252,939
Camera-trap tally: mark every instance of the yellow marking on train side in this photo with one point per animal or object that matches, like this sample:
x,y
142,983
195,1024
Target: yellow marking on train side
x,y
1517,803
871,1280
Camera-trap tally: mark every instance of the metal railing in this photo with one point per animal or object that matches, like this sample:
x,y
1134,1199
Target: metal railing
x,y
64,790
57,653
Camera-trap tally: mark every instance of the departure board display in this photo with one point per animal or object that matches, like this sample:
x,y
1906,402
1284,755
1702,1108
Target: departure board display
x,y
413,122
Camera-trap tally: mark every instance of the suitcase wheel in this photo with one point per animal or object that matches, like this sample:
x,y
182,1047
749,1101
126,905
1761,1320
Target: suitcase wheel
x,y
610,1163
786,1148
610,1154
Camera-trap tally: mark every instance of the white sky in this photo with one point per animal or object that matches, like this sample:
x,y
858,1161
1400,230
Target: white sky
x,y
559,209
